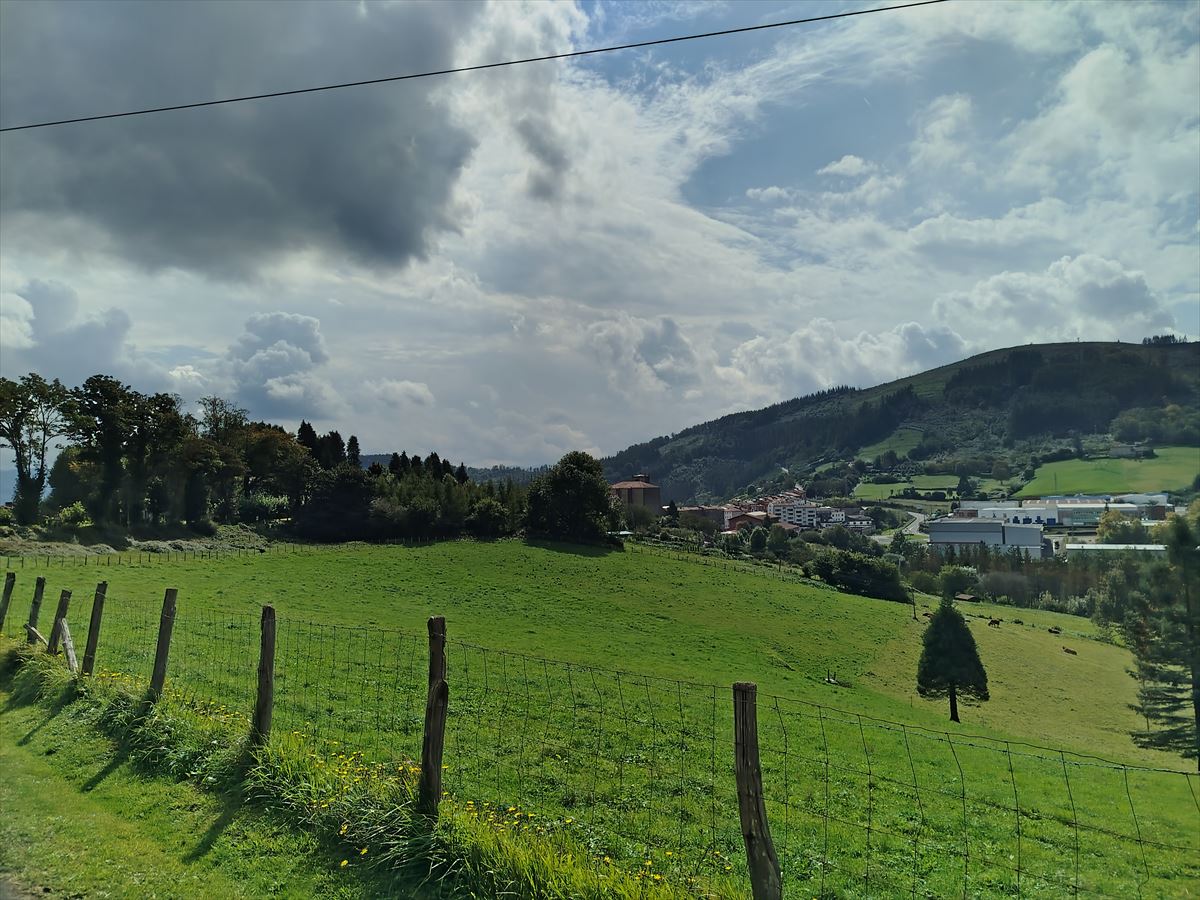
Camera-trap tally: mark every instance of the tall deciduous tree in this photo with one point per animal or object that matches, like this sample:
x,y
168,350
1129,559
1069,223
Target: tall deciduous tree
x,y
100,416
950,663
30,417
571,500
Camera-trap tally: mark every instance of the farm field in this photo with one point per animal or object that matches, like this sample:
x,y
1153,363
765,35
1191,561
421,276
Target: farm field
x,y
631,764
869,491
1173,469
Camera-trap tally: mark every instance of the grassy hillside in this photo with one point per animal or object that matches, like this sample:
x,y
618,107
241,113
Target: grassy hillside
x,y
1002,405
81,820
628,765
1172,469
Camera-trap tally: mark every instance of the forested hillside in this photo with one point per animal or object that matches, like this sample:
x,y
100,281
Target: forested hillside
x,y
1004,407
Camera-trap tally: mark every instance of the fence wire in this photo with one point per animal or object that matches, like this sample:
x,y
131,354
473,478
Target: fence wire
x,y
145,557
635,772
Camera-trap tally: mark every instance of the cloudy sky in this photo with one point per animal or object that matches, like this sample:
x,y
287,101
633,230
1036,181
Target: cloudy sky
x,y
509,264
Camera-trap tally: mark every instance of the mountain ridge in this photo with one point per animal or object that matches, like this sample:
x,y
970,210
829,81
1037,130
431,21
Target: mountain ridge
x,y
1007,405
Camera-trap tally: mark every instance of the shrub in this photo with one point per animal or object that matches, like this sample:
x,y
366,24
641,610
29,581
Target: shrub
x,y
262,507
73,516
860,574
925,582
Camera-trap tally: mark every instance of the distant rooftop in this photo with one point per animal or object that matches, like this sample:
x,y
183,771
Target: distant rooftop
x,y
1145,548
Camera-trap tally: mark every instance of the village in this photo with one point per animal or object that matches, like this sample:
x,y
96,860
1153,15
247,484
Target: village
x,y
1036,528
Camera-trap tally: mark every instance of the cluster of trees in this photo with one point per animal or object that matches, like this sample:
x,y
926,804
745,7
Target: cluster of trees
x,y
1171,424
134,459
138,459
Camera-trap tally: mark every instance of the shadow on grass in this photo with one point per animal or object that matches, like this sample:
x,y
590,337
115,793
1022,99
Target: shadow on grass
x,y
587,550
120,757
231,805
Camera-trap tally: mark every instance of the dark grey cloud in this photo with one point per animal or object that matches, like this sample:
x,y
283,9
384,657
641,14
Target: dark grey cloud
x,y
59,344
363,172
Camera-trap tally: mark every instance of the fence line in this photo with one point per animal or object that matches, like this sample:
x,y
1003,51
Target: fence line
x,y
141,557
637,771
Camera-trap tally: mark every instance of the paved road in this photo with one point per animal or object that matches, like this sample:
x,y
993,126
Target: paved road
x,y
912,528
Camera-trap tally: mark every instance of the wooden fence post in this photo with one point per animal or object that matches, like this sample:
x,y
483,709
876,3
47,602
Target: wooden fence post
x,y
64,601
167,621
35,609
429,792
89,651
10,580
64,634
765,880
260,728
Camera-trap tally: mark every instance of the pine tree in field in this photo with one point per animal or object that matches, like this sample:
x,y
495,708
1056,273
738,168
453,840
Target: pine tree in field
x,y
353,454
1164,634
950,663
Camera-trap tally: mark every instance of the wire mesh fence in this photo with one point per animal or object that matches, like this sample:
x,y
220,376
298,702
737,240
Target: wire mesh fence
x,y
636,772
635,769
874,806
144,557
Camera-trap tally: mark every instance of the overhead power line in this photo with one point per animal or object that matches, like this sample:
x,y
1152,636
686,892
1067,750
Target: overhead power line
x,y
477,68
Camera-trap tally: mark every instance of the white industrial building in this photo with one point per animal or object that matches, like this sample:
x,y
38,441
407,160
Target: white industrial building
x,y
962,532
1071,512
1082,549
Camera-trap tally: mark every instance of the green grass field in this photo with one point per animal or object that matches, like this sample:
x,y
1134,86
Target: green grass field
x,y
901,440
81,819
948,483
871,790
1173,469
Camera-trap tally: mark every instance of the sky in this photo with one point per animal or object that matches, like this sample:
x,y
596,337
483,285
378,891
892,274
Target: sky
x,y
506,265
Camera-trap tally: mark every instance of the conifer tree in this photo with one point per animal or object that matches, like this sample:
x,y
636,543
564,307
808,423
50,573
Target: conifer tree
x,y
306,436
1164,634
353,455
950,663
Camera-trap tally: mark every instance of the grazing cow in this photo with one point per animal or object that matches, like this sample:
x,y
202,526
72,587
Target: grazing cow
x,y
995,623
1018,622
1069,650
1055,630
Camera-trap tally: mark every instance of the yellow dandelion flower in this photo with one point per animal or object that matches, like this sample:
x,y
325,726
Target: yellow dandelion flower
x,y
362,852
345,862
669,853
568,820
657,877
608,860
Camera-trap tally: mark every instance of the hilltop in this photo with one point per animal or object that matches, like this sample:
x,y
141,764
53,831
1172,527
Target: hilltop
x,y
998,414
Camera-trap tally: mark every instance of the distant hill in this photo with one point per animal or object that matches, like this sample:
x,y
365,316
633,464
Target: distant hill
x,y
1004,406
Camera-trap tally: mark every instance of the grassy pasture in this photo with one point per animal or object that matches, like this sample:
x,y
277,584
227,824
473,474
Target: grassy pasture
x,y
628,767
901,441
866,490
1173,469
